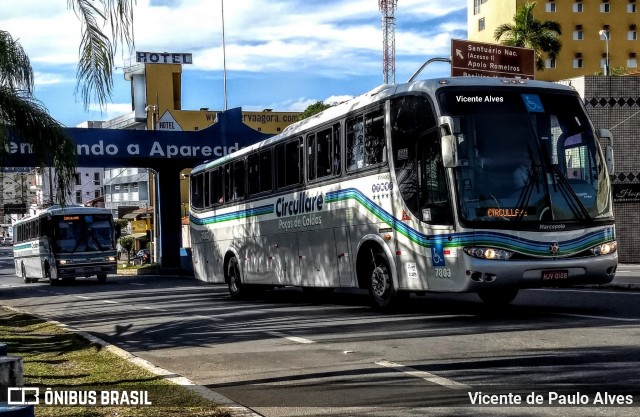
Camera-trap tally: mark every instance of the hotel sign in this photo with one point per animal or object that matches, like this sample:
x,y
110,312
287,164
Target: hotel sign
x,y
164,58
626,193
476,59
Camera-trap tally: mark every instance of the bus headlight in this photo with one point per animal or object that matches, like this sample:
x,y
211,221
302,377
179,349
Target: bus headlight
x,y
63,262
488,253
605,248
111,258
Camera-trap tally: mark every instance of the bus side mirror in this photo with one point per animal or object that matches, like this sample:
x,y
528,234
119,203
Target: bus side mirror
x,y
448,141
449,151
608,151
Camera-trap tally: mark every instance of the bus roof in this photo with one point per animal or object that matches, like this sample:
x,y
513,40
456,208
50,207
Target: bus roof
x,y
376,95
57,210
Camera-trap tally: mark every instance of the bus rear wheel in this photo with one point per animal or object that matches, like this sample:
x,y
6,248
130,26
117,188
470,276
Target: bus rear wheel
x,y
232,275
499,297
381,289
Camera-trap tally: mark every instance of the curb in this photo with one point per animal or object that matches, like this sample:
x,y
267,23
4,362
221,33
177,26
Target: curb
x,y
233,407
154,271
630,286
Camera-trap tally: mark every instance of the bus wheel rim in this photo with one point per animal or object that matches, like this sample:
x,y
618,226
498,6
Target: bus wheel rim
x,y
379,282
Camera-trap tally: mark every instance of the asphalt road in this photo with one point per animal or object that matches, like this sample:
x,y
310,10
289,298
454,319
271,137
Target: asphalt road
x,y
287,353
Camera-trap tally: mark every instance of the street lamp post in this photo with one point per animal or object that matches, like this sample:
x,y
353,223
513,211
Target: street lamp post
x,y
224,58
603,33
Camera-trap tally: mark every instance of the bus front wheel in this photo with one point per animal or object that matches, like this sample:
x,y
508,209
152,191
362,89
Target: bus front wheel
x,y
499,297
236,288
102,278
24,275
381,287
47,274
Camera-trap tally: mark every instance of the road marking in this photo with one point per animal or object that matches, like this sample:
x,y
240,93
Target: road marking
x,y
445,382
110,302
83,297
291,338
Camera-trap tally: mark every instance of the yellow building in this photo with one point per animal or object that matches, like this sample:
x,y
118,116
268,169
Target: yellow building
x,y
157,102
584,49
158,87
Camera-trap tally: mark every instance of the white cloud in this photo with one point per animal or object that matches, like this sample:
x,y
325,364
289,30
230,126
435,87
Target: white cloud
x,y
49,78
260,36
329,40
112,110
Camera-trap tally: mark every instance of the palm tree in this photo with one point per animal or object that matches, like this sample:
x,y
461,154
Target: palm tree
x,y
528,32
23,115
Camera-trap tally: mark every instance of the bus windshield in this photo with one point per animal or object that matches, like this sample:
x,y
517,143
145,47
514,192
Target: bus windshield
x,y
82,233
526,157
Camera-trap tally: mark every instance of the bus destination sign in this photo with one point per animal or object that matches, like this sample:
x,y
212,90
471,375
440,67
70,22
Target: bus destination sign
x,y
476,59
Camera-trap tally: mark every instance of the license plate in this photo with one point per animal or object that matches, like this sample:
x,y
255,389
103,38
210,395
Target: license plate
x,y
559,274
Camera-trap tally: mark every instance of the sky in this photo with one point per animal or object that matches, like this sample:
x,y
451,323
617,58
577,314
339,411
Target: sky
x,y
280,54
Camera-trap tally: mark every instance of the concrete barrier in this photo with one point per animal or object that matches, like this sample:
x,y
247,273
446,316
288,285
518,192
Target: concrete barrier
x,y
11,375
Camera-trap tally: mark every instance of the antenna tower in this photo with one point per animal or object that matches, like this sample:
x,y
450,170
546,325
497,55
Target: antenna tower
x,y
388,8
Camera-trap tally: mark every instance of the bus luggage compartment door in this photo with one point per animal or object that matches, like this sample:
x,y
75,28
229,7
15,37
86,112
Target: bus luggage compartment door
x,y
318,265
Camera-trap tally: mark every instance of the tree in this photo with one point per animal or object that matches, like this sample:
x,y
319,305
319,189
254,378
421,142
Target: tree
x,y
127,242
23,115
528,32
315,108
614,71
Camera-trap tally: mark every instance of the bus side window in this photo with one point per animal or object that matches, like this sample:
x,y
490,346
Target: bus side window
x,y
207,190
259,172
238,180
417,159
266,180
311,157
253,174
289,163
197,191
323,154
217,184
432,182
355,143
337,165
375,137
365,140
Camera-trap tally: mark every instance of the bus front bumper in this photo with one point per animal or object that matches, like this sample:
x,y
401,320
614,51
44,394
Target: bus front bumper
x,y
79,270
483,274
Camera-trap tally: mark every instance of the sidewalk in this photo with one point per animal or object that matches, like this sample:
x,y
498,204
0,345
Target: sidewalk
x,y
627,278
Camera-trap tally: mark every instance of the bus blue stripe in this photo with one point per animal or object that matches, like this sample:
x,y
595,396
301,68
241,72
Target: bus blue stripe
x,y
452,240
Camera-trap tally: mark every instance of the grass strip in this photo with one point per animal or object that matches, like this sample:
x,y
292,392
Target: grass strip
x,y
55,357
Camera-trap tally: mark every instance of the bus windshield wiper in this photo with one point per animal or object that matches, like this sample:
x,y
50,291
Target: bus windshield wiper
x,y
525,195
569,195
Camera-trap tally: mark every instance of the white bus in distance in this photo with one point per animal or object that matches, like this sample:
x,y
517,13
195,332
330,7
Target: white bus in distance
x,y
464,184
65,243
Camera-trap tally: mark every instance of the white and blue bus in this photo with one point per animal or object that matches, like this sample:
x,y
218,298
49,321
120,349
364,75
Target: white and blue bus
x,y
459,184
62,243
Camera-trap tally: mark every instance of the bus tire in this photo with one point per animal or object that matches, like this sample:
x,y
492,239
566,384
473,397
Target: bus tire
x,y
24,274
499,297
381,289
102,278
232,275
